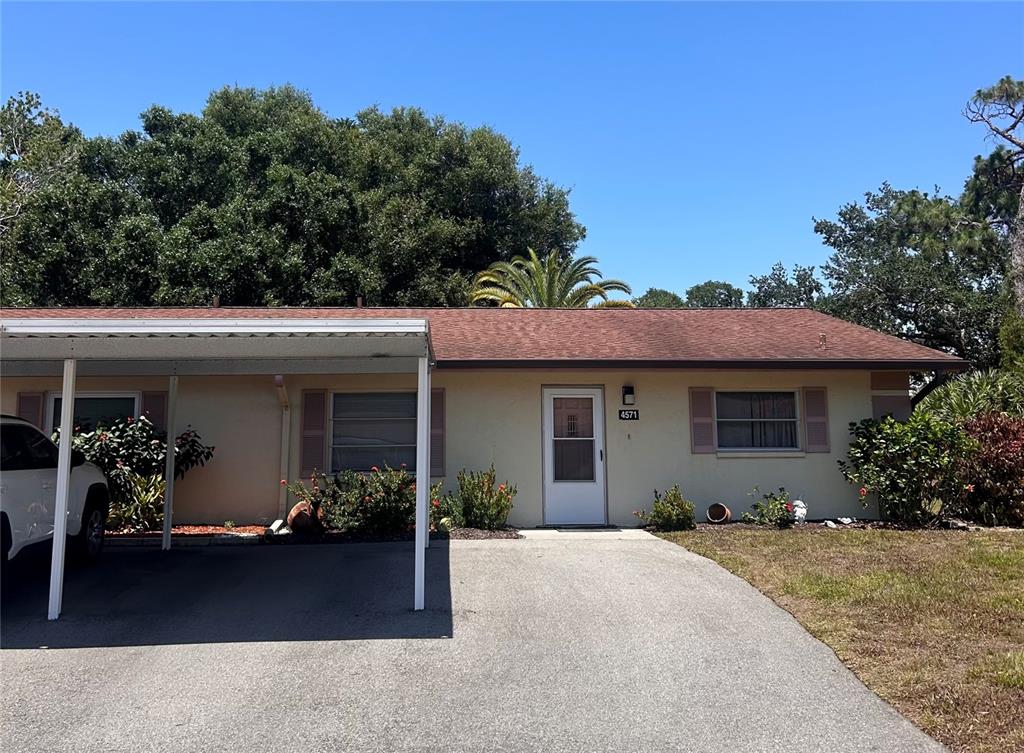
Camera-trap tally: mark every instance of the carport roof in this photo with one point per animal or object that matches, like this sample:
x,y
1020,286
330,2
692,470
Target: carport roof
x,y
511,338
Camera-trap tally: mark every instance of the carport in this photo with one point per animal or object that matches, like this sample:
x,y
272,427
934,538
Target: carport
x,y
215,347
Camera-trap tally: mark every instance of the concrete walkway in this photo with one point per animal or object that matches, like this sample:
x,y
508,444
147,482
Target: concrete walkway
x,y
551,643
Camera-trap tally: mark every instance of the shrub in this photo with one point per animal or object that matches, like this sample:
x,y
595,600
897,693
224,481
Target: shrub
x,y
771,509
382,501
142,506
478,503
912,466
669,512
994,475
131,449
977,392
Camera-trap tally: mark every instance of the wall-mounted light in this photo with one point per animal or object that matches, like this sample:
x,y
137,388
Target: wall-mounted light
x,y
628,395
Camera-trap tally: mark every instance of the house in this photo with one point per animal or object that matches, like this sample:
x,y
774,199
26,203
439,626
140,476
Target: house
x,y
585,411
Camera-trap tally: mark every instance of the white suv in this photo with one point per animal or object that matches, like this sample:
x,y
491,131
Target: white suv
x,y
28,484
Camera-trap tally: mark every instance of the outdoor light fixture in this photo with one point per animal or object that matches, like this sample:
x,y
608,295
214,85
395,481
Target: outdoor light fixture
x,y
628,395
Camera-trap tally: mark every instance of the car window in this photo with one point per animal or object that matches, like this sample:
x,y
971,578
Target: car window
x,y
13,452
42,453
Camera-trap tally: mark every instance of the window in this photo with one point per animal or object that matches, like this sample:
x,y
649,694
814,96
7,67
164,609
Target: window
x,y
573,439
96,408
373,429
24,448
757,420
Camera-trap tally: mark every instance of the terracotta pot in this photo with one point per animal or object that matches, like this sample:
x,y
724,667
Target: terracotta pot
x,y
719,513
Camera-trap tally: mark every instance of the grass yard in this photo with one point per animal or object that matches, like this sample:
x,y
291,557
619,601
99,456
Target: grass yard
x,y
932,621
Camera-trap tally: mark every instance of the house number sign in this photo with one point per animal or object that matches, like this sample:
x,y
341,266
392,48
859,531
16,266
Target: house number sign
x,y
629,414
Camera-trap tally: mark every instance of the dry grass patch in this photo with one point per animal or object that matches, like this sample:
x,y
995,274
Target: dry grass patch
x,y
932,621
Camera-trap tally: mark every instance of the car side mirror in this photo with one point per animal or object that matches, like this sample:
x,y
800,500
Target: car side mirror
x,y
77,458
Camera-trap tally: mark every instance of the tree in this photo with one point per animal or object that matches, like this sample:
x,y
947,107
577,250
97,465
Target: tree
x,y
35,147
714,294
262,199
551,282
1001,109
918,266
778,289
657,298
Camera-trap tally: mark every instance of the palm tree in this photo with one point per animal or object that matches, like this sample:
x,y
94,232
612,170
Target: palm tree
x,y
551,282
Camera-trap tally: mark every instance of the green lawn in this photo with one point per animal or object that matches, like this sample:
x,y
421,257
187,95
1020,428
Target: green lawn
x,y
932,621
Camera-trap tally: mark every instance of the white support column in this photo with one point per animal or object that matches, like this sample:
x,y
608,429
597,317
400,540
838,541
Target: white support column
x,y
286,443
422,477
172,408
60,508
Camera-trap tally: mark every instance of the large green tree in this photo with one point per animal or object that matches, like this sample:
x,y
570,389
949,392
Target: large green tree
x,y
551,281
779,288
659,298
262,199
714,294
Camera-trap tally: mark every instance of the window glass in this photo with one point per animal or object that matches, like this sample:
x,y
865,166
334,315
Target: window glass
x,y
25,448
93,411
13,452
573,438
757,420
373,429
41,451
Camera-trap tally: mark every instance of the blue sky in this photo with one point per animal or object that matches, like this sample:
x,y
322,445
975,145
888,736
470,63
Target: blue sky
x,y
698,140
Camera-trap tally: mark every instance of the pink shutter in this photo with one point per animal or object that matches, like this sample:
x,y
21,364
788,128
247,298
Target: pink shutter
x,y
816,419
437,432
897,406
154,407
313,446
702,420
30,408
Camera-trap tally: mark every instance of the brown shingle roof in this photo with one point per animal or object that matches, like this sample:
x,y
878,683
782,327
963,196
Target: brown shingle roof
x,y
590,337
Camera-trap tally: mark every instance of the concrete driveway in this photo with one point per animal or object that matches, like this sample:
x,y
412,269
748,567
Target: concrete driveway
x,y
561,643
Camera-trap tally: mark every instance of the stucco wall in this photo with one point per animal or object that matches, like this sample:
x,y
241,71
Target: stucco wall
x,y
495,416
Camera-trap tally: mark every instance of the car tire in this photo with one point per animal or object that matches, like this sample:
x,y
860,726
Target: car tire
x,y
87,544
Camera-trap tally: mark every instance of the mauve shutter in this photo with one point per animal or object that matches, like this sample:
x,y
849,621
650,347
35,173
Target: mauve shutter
x,y
702,420
437,432
816,419
30,408
154,407
314,431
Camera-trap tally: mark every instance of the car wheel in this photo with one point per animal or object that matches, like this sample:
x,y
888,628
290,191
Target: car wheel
x,y
88,543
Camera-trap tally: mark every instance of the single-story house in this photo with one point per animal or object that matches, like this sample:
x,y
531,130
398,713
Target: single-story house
x,y
587,412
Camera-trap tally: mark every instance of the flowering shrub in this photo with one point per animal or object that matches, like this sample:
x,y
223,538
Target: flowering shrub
x,y
382,501
913,466
669,512
993,477
132,454
478,503
771,509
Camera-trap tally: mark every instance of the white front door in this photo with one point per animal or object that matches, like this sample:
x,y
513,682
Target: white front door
x,y
574,483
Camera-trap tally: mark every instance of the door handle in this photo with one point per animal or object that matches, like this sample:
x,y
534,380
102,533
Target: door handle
x,y
601,455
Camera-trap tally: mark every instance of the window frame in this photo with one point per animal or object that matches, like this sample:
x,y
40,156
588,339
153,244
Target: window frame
x,y
797,419
51,400
329,438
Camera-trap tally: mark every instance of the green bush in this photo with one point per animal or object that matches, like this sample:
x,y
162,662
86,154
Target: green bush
x,y
131,449
669,512
142,506
478,503
770,509
913,467
381,502
974,393
993,477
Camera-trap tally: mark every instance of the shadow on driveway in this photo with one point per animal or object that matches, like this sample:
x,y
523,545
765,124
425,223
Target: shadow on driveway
x,y
144,597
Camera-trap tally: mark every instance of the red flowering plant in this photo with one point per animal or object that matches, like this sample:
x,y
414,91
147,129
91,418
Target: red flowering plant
x,y
771,509
478,503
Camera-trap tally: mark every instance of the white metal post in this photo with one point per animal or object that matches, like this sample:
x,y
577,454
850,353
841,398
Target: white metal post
x,y
422,477
60,508
172,407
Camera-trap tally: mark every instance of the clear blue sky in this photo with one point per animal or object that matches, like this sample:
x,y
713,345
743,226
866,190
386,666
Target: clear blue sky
x,y
698,140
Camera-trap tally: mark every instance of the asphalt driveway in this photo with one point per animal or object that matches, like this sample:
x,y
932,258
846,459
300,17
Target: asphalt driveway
x,y
556,644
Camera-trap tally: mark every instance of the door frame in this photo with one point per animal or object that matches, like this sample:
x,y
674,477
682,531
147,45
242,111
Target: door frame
x,y
599,418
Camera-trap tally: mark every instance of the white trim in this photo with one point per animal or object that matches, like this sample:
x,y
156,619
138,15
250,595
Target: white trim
x,y
172,411
36,327
760,451
422,483
51,399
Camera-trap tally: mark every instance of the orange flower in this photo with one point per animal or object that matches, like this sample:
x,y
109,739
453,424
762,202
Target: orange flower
x,y
375,469
284,482
501,487
436,503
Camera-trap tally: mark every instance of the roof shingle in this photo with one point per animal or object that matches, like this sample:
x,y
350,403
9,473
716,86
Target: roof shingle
x,y
666,337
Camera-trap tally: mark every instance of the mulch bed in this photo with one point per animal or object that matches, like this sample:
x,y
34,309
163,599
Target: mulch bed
x,y
334,537
192,531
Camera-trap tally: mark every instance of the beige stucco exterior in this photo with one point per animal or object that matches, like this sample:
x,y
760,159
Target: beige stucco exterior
x,y
494,416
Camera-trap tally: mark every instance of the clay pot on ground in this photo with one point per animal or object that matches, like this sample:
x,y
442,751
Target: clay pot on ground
x,y
719,513
303,519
